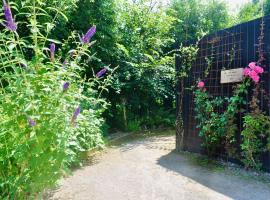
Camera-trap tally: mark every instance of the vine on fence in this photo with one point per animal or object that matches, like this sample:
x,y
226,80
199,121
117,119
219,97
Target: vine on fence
x,y
214,125
219,129
256,124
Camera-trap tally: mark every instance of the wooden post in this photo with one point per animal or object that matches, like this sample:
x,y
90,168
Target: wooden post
x,y
179,103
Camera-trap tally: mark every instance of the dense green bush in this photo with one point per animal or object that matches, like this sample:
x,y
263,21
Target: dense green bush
x,y
48,113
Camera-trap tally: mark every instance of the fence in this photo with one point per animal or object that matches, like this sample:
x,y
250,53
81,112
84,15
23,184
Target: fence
x,y
231,48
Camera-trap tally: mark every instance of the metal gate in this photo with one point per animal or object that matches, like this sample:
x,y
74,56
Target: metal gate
x,y
241,41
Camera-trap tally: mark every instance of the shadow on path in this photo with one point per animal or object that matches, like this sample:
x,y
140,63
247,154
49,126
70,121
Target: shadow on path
x,y
215,178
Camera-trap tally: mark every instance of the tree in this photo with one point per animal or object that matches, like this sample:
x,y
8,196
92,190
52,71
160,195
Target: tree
x,y
196,18
267,7
216,16
189,19
249,12
145,74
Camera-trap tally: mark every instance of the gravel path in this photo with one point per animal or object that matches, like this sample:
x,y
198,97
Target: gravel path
x,y
148,169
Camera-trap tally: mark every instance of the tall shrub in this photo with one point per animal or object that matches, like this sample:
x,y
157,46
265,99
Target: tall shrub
x,y
45,116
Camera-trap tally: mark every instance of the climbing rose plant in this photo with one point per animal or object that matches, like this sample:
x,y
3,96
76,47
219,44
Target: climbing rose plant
x,y
213,125
256,127
210,123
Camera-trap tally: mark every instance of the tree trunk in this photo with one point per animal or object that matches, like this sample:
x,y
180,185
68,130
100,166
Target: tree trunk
x,y
124,102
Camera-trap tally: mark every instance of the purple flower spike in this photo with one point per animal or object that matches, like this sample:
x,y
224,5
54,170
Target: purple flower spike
x,y
65,86
32,122
75,115
87,37
101,73
52,47
52,50
10,23
77,112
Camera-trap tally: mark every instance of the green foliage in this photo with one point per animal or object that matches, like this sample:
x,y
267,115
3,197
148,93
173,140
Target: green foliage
x,y
196,18
267,7
253,10
256,130
160,119
145,78
214,125
134,126
249,12
255,134
133,35
216,16
39,135
187,56
101,13
234,107
139,36
144,34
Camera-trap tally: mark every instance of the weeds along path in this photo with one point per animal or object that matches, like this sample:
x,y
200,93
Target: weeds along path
x,y
149,169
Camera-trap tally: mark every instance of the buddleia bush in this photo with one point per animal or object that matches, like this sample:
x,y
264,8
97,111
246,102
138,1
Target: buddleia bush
x,y
46,118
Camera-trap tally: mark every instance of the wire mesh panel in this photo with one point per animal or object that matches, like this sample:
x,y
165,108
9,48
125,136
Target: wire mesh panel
x,y
227,49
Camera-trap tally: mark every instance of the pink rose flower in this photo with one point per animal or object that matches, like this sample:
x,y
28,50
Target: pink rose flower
x,y
252,74
256,78
253,71
246,71
258,69
201,84
252,65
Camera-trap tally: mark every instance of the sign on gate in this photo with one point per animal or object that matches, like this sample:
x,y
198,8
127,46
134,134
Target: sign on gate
x,y
232,76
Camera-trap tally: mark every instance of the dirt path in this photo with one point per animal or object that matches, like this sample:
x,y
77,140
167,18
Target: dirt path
x,y
148,169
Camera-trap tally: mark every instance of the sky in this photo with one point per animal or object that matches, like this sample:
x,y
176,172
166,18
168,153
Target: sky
x,y
237,1
235,4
